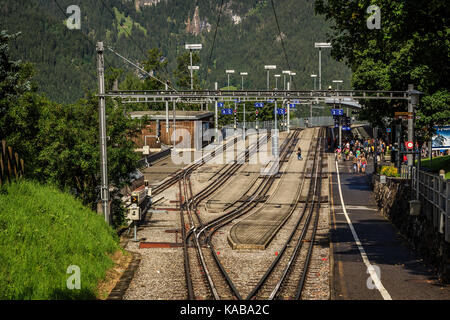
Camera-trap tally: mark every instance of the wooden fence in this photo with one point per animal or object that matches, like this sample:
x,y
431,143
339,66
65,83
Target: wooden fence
x,y
11,166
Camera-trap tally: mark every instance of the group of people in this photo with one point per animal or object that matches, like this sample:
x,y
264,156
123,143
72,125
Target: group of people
x,y
359,150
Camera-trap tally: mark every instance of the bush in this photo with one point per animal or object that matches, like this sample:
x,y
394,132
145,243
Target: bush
x,y
389,171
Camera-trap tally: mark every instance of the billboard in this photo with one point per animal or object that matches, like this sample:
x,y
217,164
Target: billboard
x,y
441,140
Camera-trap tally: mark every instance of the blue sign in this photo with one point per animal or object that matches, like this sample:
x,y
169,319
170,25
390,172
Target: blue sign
x,y
337,112
296,101
227,111
259,105
271,100
388,130
336,125
281,111
291,105
220,104
344,128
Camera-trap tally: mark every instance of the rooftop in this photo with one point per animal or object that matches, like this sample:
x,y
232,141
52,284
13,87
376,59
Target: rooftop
x,y
179,115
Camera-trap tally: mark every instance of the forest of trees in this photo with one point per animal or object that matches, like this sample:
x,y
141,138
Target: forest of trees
x,y
65,59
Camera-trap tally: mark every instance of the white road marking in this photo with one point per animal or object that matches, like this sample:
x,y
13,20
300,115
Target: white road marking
x,y
376,280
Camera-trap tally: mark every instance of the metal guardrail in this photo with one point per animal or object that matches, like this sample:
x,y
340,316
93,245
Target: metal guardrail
x,y
434,195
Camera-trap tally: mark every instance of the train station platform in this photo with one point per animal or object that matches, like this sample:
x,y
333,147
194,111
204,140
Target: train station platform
x,y
370,259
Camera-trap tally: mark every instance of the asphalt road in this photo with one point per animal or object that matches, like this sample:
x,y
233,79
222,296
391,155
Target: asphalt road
x,y
401,273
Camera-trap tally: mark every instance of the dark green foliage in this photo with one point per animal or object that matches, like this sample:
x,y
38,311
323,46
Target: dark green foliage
x,y
66,59
59,143
411,47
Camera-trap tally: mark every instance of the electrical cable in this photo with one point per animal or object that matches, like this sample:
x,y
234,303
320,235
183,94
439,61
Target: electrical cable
x,y
281,37
214,41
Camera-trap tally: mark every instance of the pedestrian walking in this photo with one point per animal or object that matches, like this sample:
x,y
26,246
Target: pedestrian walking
x,y
299,154
363,164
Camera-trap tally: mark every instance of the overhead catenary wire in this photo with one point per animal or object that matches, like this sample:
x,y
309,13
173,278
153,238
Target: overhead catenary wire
x,y
214,40
85,36
139,68
129,34
281,36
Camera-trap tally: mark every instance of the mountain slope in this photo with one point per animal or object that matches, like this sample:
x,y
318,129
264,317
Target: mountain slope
x,y
246,40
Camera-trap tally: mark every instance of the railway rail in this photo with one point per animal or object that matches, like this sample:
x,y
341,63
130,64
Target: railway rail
x,y
207,230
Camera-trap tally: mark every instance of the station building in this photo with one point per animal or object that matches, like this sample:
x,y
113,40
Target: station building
x,y
195,125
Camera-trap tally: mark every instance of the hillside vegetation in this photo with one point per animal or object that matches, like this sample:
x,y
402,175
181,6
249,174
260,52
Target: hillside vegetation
x,y
44,231
66,59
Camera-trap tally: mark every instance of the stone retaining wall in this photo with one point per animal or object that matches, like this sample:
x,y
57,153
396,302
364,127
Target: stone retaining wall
x,y
393,202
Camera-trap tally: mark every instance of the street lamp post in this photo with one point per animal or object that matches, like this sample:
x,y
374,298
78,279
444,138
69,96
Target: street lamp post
x,y
228,72
337,83
315,77
191,47
292,74
242,76
268,68
321,45
285,72
276,80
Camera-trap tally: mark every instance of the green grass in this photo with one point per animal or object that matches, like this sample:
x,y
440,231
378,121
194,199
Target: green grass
x,y
42,232
127,24
437,164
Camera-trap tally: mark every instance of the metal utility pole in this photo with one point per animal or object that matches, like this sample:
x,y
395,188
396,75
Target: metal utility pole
x,y
192,71
276,80
174,116
216,119
235,114
315,77
285,72
290,78
242,76
243,131
410,122
191,47
104,189
321,45
268,68
320,69
288,112
275,136
167,112
228,72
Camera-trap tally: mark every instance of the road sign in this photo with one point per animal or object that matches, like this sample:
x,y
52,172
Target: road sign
x,y
345,128
388,130
291,105
337,112
220,104
259,105
271,100
227,111
409,144
281,111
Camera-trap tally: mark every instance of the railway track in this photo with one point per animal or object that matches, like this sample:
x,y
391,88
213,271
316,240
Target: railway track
x,y
177,176
191,202
286,276
221,287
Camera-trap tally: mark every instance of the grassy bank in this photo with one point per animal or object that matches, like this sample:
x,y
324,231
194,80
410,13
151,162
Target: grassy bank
x,y
437,164
44,231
